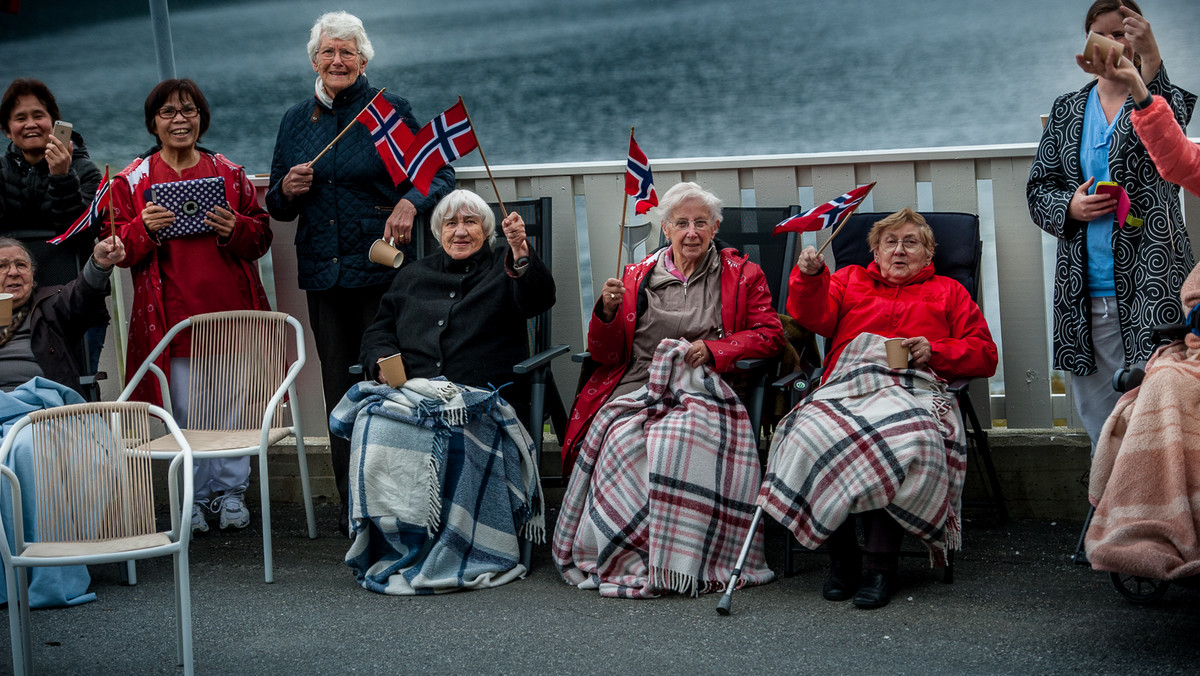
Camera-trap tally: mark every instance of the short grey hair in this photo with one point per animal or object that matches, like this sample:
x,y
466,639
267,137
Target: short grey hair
x,y
464,202
683,192
340,26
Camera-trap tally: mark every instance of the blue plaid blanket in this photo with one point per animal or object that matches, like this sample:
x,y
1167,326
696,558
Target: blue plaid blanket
x,y
443,478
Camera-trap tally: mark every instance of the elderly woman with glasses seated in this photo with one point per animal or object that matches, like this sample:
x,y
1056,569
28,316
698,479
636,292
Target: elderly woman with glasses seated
x,y
879,442
666,464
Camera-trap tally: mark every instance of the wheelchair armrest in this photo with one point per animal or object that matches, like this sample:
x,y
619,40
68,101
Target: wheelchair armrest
x,y
355,370
541,359
957,385
580,357
1165,333
94,379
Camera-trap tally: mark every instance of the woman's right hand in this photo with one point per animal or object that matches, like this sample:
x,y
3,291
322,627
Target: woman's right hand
x,y
610,298
1085,207
156,218
298,181
810,262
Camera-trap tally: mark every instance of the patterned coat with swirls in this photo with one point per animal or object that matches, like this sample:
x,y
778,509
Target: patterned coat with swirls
x,y
1150,262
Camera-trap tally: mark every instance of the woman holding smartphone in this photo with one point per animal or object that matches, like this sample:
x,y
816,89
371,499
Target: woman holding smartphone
x,y
176,277
45,183
1112,281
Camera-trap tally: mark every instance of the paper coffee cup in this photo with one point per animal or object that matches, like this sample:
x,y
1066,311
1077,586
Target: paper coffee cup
x,y
386,254
1105,44
392,368
897,354
6,300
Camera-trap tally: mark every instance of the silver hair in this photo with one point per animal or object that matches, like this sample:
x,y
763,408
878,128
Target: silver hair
x,y
682,192
340,26
464,202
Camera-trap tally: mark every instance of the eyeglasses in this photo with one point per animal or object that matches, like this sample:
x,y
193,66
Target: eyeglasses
x,y
327,54
169,112
909,244
700,224
20,264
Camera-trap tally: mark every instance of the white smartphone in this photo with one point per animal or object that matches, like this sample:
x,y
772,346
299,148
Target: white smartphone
x,y
62,132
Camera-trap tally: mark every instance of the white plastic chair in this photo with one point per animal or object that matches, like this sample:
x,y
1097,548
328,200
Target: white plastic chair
x,y
239,375
94,502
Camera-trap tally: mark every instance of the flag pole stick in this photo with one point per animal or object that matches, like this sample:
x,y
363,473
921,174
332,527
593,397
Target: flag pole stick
x,y
624,209
845,220
479,147
343,132
112,222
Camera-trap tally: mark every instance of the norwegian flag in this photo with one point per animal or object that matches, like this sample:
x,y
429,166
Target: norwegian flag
x,y
390,134
639,182
446,138
92,214
826,215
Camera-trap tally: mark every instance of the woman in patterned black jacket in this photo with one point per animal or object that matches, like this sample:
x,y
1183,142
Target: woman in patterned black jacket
x,y
1112,281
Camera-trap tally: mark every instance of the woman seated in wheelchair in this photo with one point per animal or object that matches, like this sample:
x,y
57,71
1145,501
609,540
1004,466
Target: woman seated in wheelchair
x,y
878,442
666,464
1146,471
443,476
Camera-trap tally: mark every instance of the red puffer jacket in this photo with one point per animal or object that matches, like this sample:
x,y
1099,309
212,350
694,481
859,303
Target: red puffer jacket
x,y
752,329
857,300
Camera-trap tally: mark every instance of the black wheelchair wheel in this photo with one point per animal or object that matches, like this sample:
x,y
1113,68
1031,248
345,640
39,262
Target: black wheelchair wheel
x,y
1138,589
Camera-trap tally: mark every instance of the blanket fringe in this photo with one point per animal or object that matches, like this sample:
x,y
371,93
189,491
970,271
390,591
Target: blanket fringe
x,y
434,520
673,580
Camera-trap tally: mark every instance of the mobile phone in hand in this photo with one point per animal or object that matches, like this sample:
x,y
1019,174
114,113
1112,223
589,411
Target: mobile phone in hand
x,y
62,132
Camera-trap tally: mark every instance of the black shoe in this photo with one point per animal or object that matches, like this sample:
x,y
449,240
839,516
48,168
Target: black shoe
x,y
344,520
842,581
876,590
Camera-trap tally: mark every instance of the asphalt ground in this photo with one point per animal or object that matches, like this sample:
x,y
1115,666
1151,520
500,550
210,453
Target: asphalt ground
x,y
1018,605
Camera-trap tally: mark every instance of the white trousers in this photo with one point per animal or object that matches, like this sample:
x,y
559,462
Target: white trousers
x,y
212,475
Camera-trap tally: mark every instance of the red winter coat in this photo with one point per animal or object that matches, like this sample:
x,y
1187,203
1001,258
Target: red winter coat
x,y
213,276
752,329
856,300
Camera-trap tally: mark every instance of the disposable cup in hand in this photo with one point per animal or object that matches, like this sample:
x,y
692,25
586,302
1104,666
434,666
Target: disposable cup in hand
x,y
1105,44
386,254
6,300
392,369
897,353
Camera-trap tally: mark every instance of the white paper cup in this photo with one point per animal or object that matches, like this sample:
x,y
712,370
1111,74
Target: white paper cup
x,y
897,354
386,254
392,368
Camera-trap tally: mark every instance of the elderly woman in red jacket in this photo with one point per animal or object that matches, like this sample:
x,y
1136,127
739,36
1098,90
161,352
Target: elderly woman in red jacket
x,y
880,442
663,339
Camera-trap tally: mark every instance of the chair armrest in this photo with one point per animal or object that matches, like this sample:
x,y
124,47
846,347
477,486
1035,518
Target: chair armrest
x,y
751,364
1165,333
540,359
958,385
355,370
88,381
580,357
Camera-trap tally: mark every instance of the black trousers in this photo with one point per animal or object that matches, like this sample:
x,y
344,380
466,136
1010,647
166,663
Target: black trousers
x,y
882,538
339,316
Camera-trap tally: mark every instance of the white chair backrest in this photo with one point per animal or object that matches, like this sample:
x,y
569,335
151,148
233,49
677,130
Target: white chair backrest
x,y
239,360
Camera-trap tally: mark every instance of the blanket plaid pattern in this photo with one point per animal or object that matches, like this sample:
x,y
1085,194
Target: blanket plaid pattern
x,y
662,494
870,438
443,478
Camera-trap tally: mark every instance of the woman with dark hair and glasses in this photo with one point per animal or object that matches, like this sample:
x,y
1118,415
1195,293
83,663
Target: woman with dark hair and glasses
x,y
176,277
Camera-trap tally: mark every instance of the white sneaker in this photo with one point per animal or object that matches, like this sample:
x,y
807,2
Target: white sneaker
x,y
199,525
234,513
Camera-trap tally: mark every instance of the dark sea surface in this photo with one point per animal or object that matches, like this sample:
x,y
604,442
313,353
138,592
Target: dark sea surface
x,y
558,81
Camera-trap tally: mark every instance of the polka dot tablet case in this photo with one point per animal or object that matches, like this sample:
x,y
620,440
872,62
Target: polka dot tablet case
x,y
189,200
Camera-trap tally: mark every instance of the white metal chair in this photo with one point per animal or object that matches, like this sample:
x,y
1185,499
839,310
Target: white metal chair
x,y
91,482
241,394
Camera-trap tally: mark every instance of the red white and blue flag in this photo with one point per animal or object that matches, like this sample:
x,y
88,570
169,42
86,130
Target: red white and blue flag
x,y
639,182
90,215
390,134
826,215
446,138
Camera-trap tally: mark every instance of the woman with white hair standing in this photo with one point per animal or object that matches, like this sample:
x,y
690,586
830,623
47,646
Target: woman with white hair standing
x,y
344,202
445,474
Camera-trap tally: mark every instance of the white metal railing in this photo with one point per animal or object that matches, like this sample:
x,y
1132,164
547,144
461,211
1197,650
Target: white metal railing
x,y
586,198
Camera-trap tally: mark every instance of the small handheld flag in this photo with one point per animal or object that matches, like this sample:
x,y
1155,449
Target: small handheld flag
x,y
826,215
101,201
390,134
639,181
446,138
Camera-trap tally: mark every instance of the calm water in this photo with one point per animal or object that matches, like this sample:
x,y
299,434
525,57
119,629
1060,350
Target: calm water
x,y
563,80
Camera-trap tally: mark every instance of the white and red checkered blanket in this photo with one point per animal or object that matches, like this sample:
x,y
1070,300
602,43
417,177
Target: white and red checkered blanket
x,y
870,438
663,491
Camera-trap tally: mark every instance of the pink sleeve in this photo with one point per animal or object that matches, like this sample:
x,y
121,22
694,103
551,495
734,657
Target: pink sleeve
x,y
1177,158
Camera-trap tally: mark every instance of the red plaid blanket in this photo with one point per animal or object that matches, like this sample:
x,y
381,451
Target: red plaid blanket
x,y
870,438
662,494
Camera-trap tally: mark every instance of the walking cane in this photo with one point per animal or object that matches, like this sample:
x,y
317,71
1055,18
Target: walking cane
x,y
723,604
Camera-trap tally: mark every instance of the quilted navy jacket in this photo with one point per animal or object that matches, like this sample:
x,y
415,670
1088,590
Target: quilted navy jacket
x,y
352,194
